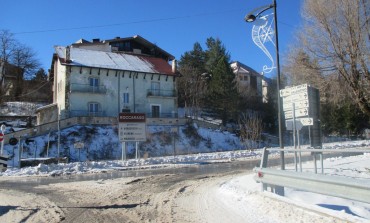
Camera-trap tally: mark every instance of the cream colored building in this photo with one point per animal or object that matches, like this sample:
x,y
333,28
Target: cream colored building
x,y
249,82
104,78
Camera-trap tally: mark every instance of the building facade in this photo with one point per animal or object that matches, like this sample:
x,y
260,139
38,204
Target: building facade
x,y
249,82
105,78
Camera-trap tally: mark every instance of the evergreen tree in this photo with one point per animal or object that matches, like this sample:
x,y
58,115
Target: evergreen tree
x,y
40,75
191,86
222,95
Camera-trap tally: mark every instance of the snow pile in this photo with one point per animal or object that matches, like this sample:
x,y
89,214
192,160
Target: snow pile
x,y
103,166
242,193
19,108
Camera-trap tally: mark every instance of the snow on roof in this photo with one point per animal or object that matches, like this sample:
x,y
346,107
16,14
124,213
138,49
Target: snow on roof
x,y
115,61
247,69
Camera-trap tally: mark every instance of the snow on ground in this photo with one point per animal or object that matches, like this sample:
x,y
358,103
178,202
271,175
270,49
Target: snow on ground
x,y
240,193
243,192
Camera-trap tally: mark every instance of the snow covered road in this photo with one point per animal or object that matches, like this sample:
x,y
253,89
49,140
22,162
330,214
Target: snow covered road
x,y
190,196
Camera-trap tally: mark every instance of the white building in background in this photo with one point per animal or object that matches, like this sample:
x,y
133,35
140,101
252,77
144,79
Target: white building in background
x,y
104,78
250,83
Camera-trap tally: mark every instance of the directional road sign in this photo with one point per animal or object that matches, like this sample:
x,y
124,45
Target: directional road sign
x,y
293,90
302,112
296,97
287,106
306,121
299,122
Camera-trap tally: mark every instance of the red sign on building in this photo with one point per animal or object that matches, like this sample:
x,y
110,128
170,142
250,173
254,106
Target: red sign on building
x,y
131,117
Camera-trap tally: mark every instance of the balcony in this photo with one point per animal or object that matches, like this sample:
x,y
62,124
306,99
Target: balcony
x,y
86,88
162,115
161,93
85,113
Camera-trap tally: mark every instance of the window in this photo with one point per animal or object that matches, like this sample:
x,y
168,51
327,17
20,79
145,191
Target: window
x,y
126,98
93,107
127,46
155,111
155,88
253,82
60,85
94,82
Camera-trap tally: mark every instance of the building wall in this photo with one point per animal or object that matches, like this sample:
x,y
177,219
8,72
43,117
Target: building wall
x,y
97,47
60,87
116,83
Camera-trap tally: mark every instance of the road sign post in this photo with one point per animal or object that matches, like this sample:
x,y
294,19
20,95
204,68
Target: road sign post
x,y
132,128
2,128
301,108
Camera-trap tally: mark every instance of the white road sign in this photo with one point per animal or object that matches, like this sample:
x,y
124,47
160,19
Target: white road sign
x,y
132,127
306,121
298,113
287,106
296,97
134,132
299,122
293,90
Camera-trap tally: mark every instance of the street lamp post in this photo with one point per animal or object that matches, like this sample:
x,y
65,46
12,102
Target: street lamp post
x,y
251,17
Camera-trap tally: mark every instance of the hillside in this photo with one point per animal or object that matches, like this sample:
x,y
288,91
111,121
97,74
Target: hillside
x,y
101,143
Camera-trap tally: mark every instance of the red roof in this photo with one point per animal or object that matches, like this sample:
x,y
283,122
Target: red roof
x,y
159,64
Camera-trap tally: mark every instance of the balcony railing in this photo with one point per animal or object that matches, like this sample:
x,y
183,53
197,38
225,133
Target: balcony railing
x,y
161,93
86,88
84,113
162,115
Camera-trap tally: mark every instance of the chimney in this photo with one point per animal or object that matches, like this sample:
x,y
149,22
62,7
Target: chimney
x,y
96,40
174,66
68,54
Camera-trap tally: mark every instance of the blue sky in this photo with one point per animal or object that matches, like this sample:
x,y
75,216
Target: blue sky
x,y
173,25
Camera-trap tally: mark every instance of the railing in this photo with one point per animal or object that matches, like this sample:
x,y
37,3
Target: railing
x,y
101,89
84,113
354,189
161,93
162,115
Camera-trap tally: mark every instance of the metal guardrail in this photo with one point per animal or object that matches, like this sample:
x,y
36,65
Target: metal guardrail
x,y
353,189
344,187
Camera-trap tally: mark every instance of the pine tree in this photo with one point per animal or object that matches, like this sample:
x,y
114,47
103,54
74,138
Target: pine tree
x,y
191,86
222,95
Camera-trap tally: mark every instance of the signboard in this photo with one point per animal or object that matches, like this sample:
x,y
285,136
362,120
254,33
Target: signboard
x,y
132,127
296,97
306,121
78,145
306,101
302,112
1,137
293,90
287,106
300,122
132,117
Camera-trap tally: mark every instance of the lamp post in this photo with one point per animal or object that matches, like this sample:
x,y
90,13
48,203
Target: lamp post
x,y
251,17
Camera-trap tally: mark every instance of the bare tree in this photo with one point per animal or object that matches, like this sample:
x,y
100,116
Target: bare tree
x,y
24,58
7,44
17,61
250,124
336,38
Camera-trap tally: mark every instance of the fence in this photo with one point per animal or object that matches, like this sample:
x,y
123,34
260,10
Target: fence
x,y
354,189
